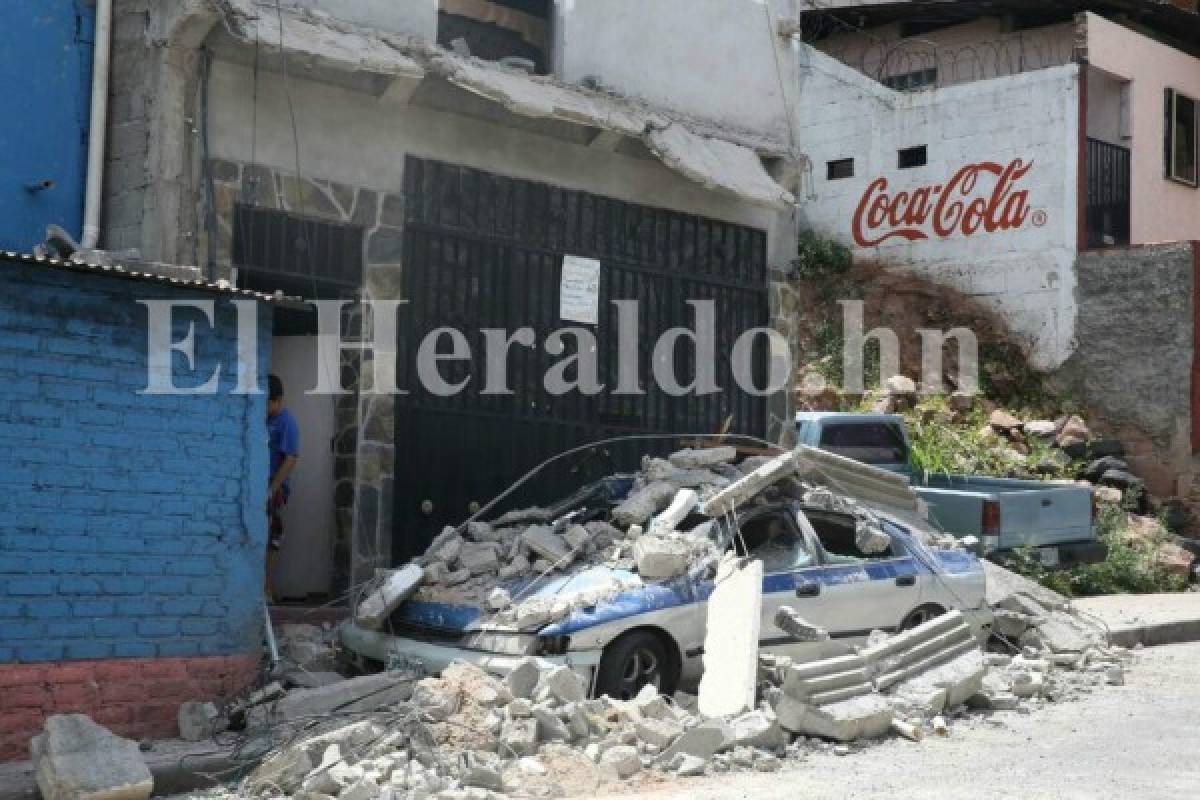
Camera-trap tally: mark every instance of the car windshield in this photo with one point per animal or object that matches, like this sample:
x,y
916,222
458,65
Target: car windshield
x,y
869,443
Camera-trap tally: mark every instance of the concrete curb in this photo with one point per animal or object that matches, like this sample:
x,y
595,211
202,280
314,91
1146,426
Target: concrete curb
x,y
177,766
1149,620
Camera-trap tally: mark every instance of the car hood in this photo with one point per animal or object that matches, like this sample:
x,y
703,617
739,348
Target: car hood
x,y
596,595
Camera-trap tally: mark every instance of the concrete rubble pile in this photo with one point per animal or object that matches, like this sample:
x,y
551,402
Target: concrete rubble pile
x,y
665,528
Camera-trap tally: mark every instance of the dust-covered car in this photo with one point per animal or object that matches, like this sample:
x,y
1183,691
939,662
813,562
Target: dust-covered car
x,y
621,629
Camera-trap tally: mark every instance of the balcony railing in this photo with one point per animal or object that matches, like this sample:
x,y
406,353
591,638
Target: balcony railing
x,y
1107,194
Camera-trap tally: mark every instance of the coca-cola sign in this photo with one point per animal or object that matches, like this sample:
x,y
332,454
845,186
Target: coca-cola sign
x,y
960,206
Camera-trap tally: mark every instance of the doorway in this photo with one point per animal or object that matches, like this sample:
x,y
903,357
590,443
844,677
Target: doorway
x,y
304,567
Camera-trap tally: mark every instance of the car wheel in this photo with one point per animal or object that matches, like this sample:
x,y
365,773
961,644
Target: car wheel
x,y
635,660
920,616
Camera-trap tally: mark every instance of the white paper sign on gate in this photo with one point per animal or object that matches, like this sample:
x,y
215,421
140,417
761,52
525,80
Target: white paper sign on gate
x,y
579,292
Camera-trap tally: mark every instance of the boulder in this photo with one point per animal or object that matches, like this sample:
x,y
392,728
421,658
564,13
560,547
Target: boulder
x,y
901,385
1004,423
76,759
1041,428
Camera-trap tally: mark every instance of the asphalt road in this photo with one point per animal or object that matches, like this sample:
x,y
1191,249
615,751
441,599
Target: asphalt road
x,y
1141,740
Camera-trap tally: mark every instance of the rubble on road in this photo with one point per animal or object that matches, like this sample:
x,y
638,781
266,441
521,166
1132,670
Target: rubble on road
x,y
76,759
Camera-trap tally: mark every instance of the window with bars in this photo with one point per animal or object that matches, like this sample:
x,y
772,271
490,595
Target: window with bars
x,y
299,255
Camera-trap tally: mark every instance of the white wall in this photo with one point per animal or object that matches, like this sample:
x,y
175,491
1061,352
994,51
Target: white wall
x,y
714,59
1025,273
1108,108
415,17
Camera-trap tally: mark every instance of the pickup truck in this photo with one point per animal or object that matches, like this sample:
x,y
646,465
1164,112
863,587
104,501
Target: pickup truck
x,y
1056,521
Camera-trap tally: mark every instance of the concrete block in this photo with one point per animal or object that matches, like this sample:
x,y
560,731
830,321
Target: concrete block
x,y
397,588
658,733
667,521
522,680
564,685
960,678
759,729
789,621
547,544
703,457
659,557
731,640
644,503
76,759
549,727
198,721
479,558
624,759
864,717
519,737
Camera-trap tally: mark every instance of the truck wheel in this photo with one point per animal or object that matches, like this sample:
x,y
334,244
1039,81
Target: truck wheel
x,y
920,616
632,662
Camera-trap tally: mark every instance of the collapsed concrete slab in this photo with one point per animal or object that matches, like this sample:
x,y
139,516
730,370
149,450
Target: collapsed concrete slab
x,y
827,681
949,684
867,716
731,641
919,650
703,741
368,693
397,587
76,759
739,492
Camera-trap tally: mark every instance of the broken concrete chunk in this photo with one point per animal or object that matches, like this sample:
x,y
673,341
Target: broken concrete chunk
x,y
703,457
565,685
76,759
547,544
518,737
397,588
522,679
759,729
643,503
739,492
368,693
576,537
865,717
479,558
870,538
624,759
198,721
658,733
661,557
666,522
788,620
499,599
731,640
550,727
703,741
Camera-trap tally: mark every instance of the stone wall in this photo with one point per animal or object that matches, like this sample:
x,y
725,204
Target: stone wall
x,y
364,445
1133,362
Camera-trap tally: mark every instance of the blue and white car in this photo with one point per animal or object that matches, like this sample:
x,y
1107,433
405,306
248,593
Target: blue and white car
x,y
653,632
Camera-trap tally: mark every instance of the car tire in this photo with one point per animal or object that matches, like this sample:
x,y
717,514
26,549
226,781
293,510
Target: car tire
x,y
633,661
920,616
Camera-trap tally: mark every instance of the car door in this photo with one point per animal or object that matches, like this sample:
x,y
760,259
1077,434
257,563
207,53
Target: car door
x,y
865,592
792,576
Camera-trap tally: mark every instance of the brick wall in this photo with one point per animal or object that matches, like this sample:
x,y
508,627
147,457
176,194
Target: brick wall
x,y
131,525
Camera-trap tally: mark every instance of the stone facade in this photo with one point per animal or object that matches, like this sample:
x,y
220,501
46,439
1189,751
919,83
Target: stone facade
x,y
364,447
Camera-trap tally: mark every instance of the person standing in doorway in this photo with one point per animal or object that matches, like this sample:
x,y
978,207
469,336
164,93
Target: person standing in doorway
x,y
284,437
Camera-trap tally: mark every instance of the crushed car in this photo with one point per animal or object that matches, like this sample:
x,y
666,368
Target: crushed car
x,y
613,582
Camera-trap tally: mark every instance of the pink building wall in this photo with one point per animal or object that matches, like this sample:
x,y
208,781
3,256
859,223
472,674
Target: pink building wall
x,y
1163,210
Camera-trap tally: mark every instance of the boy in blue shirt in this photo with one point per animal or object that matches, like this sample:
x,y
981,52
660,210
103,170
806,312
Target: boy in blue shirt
x,y
284,438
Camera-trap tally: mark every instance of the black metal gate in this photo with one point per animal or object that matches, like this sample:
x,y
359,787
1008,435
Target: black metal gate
x,y
485,251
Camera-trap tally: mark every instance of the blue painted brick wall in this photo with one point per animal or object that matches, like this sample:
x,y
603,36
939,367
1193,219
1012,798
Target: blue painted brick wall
x,y
131,525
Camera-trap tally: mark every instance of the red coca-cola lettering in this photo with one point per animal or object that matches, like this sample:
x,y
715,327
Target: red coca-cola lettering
x,y
953,208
